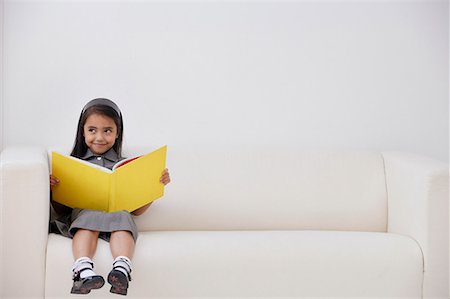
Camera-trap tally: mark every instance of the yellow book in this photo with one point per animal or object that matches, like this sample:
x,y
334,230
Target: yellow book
x,y
131,184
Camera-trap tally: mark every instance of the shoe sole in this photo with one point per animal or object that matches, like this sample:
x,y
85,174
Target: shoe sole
x,y
118,282
95,283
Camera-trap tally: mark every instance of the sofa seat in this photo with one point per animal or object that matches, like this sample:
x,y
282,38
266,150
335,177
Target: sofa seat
x,y
256,263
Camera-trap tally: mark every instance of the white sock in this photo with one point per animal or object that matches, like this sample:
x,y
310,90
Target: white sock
x,y
81,264
123,264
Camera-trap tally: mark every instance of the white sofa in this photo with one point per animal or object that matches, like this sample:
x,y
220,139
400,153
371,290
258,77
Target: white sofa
x,y
251,224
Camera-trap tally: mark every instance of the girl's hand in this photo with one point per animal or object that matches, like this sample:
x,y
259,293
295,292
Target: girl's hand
x,y
165,178
54,181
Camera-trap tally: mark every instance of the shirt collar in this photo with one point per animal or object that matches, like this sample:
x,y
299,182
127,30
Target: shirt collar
x,y
110,155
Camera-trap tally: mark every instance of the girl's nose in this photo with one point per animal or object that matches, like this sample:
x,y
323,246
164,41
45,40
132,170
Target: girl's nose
x,y
99,137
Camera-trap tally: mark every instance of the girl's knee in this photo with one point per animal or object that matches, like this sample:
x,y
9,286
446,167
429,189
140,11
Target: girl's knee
x,y
122,233
86,233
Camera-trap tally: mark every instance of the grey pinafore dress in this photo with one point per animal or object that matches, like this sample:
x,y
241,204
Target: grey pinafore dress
x,y
104,222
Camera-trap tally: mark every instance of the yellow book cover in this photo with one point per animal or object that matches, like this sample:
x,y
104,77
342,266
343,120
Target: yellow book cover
x,y
131,184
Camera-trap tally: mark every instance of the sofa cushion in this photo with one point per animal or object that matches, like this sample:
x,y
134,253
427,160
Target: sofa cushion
x,y
271,190
256,263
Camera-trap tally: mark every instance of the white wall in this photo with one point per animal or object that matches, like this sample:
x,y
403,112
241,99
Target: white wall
x,y
350,75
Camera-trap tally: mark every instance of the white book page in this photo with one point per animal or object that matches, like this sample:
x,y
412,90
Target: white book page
x,y
88,163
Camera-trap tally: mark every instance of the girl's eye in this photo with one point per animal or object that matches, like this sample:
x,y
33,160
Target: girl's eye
x,y
92,130
108,131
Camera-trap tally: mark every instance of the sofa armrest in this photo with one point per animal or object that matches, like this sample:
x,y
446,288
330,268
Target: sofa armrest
x,y
418,206
24,217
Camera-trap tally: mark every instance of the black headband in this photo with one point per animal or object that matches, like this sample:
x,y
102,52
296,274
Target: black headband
x,y
104,102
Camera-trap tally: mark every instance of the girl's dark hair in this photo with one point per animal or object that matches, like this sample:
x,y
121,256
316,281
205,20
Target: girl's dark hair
x,y
103,107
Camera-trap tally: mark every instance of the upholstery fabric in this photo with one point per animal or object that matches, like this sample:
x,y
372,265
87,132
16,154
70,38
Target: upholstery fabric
x,y
268,190
236,264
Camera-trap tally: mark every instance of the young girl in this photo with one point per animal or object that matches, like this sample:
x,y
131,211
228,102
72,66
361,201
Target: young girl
x,y
99,141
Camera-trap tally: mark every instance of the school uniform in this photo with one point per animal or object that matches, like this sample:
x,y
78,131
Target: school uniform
x,y
104,222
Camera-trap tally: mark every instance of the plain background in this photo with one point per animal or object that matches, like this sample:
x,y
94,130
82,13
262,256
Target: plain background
x,y
326,75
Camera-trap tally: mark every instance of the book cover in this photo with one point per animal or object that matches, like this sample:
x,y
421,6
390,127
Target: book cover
x,y
131,184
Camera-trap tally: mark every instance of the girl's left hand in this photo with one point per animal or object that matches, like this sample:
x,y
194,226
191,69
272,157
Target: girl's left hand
x,y
165,178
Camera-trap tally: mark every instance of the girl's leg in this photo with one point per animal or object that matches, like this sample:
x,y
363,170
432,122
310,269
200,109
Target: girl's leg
x,y
122,249
84,243
121,244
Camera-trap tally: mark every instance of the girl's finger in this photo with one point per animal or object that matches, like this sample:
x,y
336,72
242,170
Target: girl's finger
x,y
165,181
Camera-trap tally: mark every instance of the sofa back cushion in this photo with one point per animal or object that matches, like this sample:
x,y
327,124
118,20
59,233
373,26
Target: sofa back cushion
x,y
269,190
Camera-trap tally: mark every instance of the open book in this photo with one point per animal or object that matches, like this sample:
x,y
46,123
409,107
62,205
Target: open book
x,y
132,183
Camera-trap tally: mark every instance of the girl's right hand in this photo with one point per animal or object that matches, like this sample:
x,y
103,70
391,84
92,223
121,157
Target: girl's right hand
x,y
54,181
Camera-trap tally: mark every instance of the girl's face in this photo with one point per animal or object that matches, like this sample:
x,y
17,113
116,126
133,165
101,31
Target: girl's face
x,y
100,133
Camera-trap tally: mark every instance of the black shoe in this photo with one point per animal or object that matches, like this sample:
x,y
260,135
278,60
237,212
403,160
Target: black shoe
x,y
85,285
118,281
